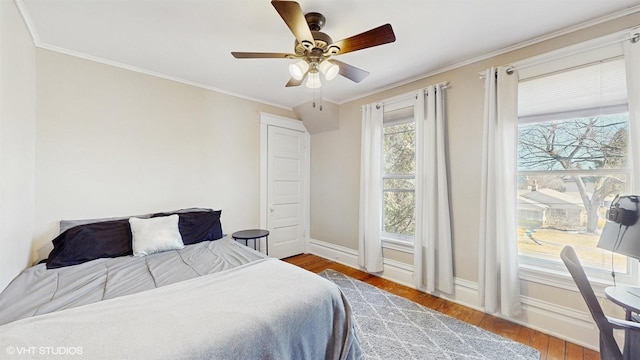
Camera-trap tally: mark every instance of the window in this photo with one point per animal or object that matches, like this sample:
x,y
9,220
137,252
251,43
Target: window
x,y
572,161
398,179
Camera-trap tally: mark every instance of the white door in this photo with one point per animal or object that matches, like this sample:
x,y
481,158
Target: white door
x,y
286,169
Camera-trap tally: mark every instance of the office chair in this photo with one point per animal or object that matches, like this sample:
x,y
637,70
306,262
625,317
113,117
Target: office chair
x,y
609,349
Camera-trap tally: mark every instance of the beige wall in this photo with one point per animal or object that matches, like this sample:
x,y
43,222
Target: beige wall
x,y
115,142
17,142
335,163
335,156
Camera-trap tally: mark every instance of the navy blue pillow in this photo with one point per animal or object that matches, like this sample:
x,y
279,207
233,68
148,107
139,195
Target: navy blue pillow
x,y
88,242
198,226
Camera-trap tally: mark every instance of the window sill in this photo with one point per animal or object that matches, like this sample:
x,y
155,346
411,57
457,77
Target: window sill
x,y
561,280
397,245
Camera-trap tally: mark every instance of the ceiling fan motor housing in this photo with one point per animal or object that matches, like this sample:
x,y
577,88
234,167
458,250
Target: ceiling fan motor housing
x,y
322,42
316,22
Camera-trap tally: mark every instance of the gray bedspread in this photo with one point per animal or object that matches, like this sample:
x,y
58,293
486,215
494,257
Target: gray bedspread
x,y
40,291
247,307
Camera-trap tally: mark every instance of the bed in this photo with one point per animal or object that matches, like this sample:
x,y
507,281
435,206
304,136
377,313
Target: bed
x,y
198,299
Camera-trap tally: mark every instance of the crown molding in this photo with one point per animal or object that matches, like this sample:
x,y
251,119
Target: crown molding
x,y
599,20
39,44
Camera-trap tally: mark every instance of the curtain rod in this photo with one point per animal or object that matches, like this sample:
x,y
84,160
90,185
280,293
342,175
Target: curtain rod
x,y
443,85
633,37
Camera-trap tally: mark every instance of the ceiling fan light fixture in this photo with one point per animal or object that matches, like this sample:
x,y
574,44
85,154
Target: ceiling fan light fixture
x,y
312,48
313,80
298,69
329,69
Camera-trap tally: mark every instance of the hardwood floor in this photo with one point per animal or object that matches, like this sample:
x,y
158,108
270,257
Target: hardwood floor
x,y
551,348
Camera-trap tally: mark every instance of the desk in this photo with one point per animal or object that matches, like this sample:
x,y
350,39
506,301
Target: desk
x,y
252,234
621,296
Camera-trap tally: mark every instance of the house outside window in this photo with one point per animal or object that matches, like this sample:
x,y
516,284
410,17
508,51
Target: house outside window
x,y
398,179
573,141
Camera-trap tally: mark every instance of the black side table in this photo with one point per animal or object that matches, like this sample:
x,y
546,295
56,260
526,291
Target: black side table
x,y
252,234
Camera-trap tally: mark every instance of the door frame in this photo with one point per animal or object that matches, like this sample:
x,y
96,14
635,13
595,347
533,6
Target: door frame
x,y
267,120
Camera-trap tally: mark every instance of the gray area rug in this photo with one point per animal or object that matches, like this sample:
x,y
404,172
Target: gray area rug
x,y
392,327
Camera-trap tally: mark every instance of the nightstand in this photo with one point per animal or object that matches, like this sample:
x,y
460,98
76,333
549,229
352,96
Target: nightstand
x,y
252,234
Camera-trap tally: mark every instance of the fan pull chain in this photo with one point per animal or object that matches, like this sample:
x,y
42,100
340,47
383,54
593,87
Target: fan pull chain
x,y
315,96
314,99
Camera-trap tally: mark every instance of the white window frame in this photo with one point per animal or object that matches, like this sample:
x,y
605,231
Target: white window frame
x,y
390,240
550,272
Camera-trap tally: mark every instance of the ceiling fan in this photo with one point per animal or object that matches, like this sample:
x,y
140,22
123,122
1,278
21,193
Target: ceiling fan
x,y
315,50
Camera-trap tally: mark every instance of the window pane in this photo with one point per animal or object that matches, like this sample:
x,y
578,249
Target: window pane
x,y
399,204
399,149
552,214
586,143
399,211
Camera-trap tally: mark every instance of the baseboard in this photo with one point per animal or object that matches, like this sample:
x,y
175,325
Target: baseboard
x,y
552,319
398,272
562,322
337,253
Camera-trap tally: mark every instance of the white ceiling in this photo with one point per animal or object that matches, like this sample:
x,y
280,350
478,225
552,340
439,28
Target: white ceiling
x,y
191,40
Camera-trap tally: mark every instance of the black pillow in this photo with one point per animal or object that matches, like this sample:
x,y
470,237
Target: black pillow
x,y
88,242
197,226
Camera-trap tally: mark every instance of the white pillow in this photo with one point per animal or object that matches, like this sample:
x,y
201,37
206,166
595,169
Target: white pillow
x,y
155,234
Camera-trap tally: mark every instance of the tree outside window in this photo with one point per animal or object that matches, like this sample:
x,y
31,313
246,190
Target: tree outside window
x,y
571,162
399,180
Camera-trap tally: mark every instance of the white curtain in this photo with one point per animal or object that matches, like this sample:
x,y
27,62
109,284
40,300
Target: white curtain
x,y
499,283
433,264
370,224
632,67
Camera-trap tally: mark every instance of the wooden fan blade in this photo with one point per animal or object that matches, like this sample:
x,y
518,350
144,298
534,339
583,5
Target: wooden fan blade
x,y
293,16
294,82
260,55
350,72
374,37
